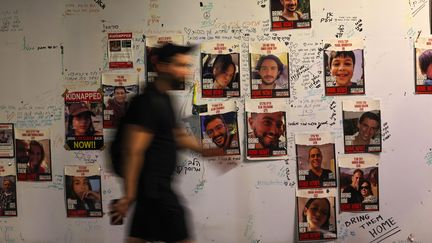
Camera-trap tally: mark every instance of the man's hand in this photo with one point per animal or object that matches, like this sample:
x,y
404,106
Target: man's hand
x,y
119,209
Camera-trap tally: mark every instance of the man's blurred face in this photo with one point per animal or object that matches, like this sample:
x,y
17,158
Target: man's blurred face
x,y
217,131
290,5
179,67
356,178
267,127
120,95
6,185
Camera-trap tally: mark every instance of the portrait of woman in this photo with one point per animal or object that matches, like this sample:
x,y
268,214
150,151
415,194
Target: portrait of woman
x,y
80,121
366,192
316,213
36,158
80,194
224,71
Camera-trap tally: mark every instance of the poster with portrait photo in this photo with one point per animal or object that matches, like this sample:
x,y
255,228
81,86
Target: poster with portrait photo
x,y
33,154
266,129
362,126
8,195
83,120
269,77
120,50
83,190
7,140
219,129
316,166
344,67
358,180
118,89
152,43
316,214
220,69
423,65
290,14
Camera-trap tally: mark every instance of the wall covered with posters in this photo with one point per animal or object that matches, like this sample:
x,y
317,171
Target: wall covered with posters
x,y
313,116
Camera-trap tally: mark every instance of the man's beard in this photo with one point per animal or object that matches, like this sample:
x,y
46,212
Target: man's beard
x,y
273,144
172,81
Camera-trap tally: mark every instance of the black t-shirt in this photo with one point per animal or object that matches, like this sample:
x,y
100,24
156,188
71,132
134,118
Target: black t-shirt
x,y
153,111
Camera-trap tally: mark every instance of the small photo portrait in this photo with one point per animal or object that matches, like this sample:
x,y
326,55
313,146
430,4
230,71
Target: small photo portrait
x,y
269,72
362,131
6,136
220,72
8,200
83,196
266,135
423,70
317,218
7,149
220,134
316,166
115,45
344,72
83,119
359,189
33,159
290,14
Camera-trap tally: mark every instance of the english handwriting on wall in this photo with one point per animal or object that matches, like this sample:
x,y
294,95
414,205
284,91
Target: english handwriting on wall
x,y
378,227
10,21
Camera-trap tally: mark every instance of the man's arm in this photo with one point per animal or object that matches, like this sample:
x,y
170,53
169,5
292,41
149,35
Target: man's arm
x,y
185,140
137,142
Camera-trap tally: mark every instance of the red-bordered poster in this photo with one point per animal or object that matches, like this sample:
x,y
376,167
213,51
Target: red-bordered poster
x,y
219,129
344,67
6,140
290,14
316,166
33,154
152,43
83,120
358,175
266,129
269,77
8,196
118,89
423,65
83,191
120,50
362,126
316,214
220,69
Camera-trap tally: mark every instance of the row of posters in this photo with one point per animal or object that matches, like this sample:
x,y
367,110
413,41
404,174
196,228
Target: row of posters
x,y
269,69
265,125
83,190
343,61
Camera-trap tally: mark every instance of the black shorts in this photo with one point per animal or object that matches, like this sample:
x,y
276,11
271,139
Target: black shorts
x,y
159,219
